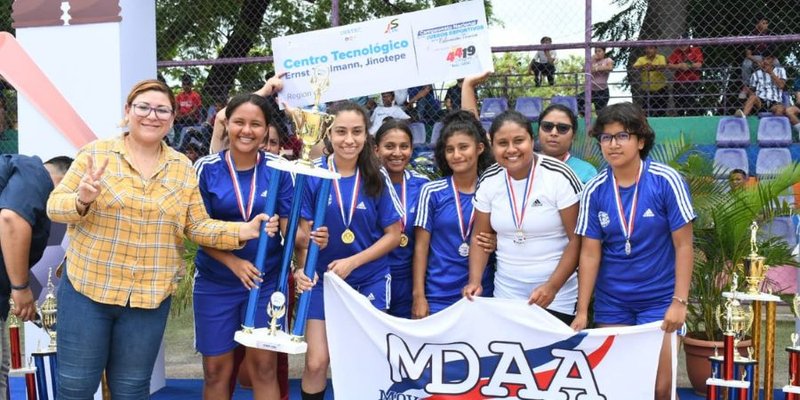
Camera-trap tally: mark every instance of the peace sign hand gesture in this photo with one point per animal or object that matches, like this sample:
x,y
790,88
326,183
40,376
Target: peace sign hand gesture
x,y
89,186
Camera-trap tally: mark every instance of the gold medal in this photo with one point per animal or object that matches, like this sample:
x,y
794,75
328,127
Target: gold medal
x,y
403,240
348,236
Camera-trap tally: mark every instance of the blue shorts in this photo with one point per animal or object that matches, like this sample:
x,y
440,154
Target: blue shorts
x,y
400,306
378,291
219,311
440,303
609,311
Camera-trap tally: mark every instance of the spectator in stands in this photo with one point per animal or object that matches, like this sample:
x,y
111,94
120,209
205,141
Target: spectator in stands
x,y
737,179
387,109
754,54
793,112
194,150
274,140
213,109
601,68
544,64
189,104
686,61
424,103
58,167
766,85
653,82
452,100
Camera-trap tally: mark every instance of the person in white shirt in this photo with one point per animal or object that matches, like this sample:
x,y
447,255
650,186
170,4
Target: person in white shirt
x,y
387,109
767,86
544,64
531,201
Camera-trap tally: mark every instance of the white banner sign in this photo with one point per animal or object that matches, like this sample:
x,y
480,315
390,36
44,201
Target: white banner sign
x,y
399,52
489,348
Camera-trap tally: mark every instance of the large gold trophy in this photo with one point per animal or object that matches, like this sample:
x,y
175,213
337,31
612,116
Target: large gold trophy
x,y
311,126
735,320
754,268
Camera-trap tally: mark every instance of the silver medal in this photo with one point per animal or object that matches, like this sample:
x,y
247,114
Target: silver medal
x,y
463,250
519,237
628,247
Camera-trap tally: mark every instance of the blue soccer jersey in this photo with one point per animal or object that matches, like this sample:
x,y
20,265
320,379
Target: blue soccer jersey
x,y
219,195
664,205
371,215
400,258
448,269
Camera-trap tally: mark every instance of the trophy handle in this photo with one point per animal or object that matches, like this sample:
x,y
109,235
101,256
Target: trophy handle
x,y
297,118
328,120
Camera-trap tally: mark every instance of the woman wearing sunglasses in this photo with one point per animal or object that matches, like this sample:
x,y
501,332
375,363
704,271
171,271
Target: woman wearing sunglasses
x,y
636,222
557,124
531,201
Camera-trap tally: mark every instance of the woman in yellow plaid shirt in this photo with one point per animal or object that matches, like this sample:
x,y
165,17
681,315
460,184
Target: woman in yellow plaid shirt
x,y
129,201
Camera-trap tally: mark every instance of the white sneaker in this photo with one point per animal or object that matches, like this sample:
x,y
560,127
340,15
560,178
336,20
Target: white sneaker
x,y
739,113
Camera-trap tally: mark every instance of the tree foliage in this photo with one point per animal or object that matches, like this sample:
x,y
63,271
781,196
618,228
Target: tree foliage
x,y
513,79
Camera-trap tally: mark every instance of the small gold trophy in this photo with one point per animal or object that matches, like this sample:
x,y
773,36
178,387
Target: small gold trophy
x,y
276,309
48,309
754,267
311,126
734,319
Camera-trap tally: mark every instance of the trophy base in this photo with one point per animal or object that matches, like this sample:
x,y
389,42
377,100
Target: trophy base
x,y
281,342
752,297
791,389
22,371
303,169
735,383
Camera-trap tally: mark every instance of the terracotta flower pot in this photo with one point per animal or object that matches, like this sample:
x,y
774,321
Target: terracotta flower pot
x,y
698,367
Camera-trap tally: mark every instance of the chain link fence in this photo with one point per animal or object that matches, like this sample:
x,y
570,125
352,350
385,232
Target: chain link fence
x,y
543,49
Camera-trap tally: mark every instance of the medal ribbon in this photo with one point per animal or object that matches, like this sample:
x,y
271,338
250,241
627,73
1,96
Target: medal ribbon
x,y
406,175
627,225
519,216
238,189
353,200
460,213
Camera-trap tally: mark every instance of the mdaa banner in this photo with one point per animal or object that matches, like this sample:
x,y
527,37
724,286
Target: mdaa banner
x,y
486,348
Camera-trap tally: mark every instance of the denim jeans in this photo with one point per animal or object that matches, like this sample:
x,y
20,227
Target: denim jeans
x,y
93,337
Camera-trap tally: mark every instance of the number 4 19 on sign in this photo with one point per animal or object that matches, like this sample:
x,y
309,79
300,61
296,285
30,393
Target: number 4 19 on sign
x,y
459,52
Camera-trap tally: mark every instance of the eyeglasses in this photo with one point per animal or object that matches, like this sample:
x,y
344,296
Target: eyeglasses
x,y
562,129
621,137
144,109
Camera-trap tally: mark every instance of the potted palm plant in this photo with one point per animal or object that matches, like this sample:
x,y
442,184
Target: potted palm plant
x,y
721,240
